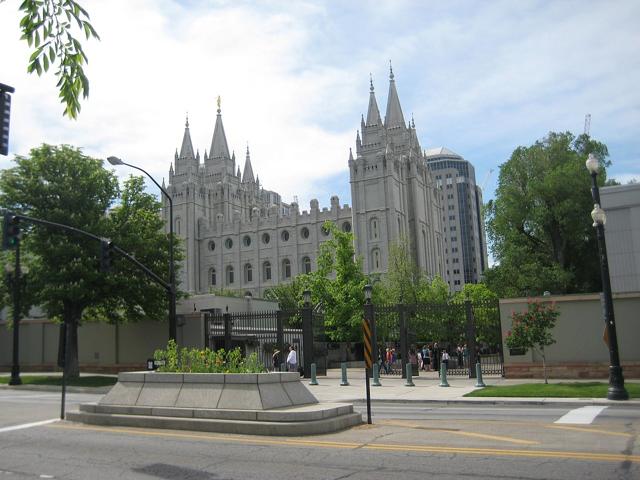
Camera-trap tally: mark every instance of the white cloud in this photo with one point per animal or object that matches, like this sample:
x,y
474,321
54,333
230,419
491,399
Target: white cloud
x,y
293,77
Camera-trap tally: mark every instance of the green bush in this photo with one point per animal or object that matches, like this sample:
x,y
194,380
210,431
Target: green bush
x,y
195,360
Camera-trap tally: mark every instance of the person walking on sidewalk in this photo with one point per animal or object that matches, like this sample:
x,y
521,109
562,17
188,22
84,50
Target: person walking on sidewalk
x,y
292,359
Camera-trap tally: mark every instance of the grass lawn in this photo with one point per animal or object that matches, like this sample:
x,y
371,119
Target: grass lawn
x,y
88,381
564,390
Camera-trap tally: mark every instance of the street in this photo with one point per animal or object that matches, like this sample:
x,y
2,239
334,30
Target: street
x,y
406,441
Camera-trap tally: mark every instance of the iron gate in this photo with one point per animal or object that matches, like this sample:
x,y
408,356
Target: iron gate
x,y
265,332
468,331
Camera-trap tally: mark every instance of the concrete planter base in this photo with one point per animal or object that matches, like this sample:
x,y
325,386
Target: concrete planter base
x,y
258,404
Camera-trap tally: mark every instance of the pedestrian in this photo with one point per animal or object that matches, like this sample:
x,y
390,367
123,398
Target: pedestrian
x,y
275,360
427,358
445,359
459,355
420,360
292,359
388,361
435,357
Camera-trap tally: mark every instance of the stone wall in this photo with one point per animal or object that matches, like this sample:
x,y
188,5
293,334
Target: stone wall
x,y
579,351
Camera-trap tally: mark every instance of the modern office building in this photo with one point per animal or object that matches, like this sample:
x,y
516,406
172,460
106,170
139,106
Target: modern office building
x,y
465,248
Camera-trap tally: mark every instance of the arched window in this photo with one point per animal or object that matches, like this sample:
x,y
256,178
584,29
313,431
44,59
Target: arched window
x,y
246,240
346,227
306,264
229,273
286,269
177,227
212,277
266,271
373,228
248,273
375,259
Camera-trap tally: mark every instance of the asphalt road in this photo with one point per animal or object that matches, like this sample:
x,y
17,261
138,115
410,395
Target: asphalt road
x,y
406,441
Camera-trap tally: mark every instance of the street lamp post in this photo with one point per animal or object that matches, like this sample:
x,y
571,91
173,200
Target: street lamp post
x,y
172,279
616,389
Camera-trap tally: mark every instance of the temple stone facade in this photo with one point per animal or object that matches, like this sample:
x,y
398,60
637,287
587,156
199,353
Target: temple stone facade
x,y
240,236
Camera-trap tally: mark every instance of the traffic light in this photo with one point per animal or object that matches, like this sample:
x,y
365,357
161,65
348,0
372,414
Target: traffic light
x,y
10,231
106,255
5,114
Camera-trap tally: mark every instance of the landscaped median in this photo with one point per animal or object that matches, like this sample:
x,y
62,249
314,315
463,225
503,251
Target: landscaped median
x,y
553,390
245,403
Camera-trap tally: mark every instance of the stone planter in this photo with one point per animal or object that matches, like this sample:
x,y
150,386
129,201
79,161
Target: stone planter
x,y
246,403
235,391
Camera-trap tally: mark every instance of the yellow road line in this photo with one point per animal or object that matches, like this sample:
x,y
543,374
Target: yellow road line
x,y
591,430
463,433
515,453
352,445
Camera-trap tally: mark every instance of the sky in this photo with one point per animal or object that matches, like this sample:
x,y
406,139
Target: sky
x,y
480,78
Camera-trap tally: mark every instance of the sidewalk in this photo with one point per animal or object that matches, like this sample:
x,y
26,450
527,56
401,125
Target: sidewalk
x,y
427,389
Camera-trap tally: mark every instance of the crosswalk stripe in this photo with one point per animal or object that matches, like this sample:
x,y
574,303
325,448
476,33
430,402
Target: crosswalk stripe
x,y
581,416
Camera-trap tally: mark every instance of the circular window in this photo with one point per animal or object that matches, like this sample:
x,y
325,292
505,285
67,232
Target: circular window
x,y
228,243
212,245
246,240
266,238
285,235
304,232
346,227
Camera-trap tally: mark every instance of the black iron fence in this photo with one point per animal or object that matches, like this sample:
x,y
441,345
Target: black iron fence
x,y
468,332
269,334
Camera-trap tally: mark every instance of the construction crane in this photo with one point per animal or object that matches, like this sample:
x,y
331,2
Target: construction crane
x,y
587,124
486,179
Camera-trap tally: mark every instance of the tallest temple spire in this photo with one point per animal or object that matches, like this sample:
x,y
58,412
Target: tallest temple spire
x,y
219,147
394,117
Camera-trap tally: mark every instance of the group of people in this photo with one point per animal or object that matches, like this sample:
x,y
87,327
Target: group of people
x,y
428,358
292,360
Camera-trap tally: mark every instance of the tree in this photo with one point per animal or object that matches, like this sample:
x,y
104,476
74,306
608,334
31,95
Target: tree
x,y
62,185
532,329
539,223
338,285
47,25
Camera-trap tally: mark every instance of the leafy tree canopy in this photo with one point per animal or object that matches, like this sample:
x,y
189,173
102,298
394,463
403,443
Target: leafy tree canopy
x,y
48,27
338,284
539,222
62,185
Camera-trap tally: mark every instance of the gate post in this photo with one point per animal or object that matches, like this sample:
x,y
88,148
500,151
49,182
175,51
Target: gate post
x,y
280,337
228,325
471,338
307,334
404,347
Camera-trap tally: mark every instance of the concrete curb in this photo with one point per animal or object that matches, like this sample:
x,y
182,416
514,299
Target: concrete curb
x,y
503,401
58,389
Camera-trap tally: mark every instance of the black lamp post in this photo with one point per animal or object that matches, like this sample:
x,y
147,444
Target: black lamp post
x,y
616,380
172,279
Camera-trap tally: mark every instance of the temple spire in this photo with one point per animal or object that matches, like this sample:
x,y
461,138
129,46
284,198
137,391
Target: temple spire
x,y
247,176
373,113
186,151
394,117
219,147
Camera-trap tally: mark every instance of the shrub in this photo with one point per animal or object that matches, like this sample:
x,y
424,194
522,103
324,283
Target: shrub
x,y
195,360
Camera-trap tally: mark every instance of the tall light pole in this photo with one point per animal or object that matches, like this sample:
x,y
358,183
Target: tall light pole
x,y
616,389
172,278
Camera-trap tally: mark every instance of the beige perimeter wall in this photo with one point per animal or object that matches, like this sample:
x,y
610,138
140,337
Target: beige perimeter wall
x,y
111,348
579,351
